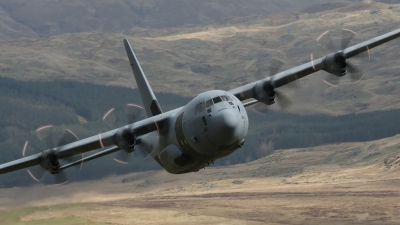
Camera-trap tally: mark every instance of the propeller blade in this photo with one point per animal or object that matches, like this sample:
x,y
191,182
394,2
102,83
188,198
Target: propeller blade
x,y
123,157
67,137
331,80
60,178
153,153
355,72
133,112
347,36
326,41
284,102
251,66
260,108
364,55
254,68
150,147
110,118
274,66
37,173
28,150
141,151
45,135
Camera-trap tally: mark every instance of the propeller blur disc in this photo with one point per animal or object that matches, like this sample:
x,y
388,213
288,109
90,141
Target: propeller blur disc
x,y
45,135
37,172
110,118
133,112
265,67
346,36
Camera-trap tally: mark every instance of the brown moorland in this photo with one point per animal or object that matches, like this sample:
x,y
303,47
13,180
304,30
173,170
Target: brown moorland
x,y
215,56
351,183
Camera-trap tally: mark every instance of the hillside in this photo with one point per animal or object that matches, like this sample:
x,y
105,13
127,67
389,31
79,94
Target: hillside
x,y
187,61
323,164
44,18
353,183
27,105
12,29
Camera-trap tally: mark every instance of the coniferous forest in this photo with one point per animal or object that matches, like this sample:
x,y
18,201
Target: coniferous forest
x,y
25,106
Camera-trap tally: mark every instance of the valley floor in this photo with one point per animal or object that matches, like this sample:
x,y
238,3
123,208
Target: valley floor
x,y
362,189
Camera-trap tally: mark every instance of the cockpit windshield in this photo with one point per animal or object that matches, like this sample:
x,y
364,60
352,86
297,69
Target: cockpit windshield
x,y
217,99
200,107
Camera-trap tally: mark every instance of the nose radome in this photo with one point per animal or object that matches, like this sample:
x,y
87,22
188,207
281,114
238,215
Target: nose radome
x,y
224,129
227,121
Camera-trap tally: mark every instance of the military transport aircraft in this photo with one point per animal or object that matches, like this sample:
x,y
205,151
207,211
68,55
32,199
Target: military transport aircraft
x,y
212,125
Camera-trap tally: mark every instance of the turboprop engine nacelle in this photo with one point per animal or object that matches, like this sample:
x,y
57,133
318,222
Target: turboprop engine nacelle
x,y
335,63
264,92
50,161
125,139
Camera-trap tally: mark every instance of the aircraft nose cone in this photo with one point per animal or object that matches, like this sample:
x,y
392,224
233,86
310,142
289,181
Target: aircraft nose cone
x,y
227,121
225,128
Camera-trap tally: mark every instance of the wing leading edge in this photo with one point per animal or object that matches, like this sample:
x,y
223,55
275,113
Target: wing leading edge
x,y
260,89
116,138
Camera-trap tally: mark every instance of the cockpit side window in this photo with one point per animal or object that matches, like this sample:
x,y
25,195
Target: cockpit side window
x,y
217,99
200,107
209,103
224,98
229,97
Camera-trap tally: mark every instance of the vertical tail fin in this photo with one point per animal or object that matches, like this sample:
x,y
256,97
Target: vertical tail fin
x,y
149,99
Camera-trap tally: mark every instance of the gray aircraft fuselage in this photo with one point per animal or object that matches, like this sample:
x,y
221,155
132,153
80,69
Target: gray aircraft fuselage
x,y
214,124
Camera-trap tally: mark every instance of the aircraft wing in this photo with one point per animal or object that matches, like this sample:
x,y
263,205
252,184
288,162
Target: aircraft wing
x,y
119,138
264,90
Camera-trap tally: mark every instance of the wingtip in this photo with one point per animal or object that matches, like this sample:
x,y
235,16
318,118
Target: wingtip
x,y
126,42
